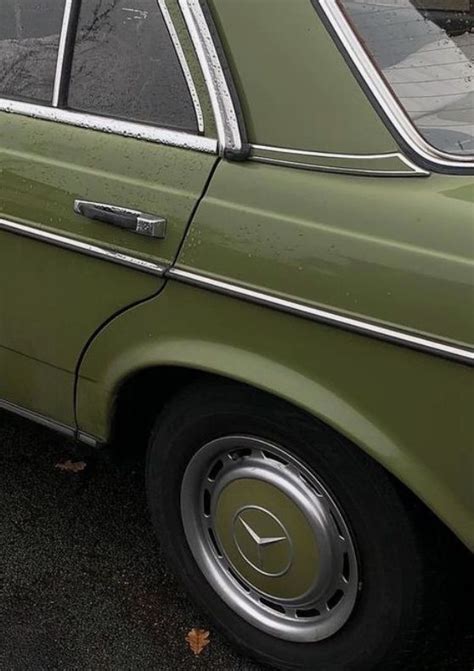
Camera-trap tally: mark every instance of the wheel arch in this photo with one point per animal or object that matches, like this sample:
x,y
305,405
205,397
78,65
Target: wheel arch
x,y
144,379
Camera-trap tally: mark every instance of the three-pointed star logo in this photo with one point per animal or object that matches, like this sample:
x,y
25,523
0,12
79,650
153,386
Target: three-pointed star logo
x,y
261,541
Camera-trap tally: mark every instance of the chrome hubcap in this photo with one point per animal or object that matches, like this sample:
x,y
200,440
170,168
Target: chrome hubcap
x,y
270,538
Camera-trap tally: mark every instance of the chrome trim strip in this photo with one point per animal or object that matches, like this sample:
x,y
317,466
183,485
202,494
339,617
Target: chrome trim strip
x,y
87,439
68,6
49,423
228,130
295,154
382,93
183,63
83,247
39,419
324,154
341,170
374,330
139,131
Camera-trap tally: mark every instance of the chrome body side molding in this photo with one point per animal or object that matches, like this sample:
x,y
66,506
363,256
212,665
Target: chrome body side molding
x,y
49,423
396,336
384,165
184,64
382,93
100,252
115,126
228,130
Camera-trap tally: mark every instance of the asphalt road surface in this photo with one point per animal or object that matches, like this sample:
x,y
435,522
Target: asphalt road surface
x,y
82,582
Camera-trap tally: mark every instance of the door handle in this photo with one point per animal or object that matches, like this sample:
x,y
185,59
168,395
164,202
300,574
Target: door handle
x,y
132,220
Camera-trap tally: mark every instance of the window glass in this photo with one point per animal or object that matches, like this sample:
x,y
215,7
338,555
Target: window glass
x,y
125,65
29,41
425,50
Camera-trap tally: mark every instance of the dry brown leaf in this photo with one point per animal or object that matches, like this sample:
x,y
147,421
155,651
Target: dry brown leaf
x,y
197,640
71,466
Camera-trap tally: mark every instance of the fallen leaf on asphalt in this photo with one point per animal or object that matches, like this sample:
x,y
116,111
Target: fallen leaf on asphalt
x,y
71,466
197,640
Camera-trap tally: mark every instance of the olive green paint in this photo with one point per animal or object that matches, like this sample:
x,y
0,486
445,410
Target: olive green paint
x,y
411,411
292,561
397,250
389,249
61,297
295,88
41,177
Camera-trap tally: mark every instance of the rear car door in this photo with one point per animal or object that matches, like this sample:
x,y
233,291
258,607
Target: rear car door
x,y
98,107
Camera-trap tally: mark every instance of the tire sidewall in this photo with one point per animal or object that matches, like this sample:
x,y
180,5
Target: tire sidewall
x,y
389,579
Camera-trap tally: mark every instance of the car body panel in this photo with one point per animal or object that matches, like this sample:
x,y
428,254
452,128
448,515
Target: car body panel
x,y
411,411
63,296
399,251
287,90
395,251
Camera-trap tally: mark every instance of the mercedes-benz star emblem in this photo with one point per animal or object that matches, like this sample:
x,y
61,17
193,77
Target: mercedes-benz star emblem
x,y
259,556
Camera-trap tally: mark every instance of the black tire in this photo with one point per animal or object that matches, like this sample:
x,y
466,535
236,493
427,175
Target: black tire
x,y
387,624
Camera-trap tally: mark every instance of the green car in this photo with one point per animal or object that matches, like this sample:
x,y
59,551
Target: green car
x,y
242,231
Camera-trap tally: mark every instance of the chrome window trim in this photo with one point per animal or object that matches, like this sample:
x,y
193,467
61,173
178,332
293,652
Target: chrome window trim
x,y
173,138
63,39
97,251
340,170
372,329
106,124
383,94
228,130
184,64
295,157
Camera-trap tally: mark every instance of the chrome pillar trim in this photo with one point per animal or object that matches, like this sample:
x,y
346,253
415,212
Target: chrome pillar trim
x,y
67,16
227,124
88,249
184,64
382,92
375,330
38,418
139,131
383,164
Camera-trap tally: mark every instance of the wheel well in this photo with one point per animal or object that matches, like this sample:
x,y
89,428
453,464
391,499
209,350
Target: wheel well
x,y
143,395
140,399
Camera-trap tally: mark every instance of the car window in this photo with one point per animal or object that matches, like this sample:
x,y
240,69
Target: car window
x,y
29,41
425,50
125,65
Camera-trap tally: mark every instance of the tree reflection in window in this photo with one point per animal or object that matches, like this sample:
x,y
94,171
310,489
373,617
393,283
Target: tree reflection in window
x,y
125,65
29,41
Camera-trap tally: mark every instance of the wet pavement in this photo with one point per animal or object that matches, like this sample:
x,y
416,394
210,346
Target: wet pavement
x,y
82,582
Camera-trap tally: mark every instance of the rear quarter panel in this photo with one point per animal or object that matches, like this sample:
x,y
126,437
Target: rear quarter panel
x,y
394,250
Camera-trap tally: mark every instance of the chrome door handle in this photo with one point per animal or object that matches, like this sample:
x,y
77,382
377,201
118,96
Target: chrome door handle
x,y
132,220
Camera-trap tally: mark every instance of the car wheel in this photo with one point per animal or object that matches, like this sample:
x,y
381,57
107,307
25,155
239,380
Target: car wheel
x,y
301,548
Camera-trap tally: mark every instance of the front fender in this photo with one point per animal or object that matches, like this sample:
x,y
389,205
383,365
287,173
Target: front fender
x,y
408,410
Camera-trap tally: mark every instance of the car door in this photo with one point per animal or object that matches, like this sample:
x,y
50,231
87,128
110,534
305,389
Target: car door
x,y
98,110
